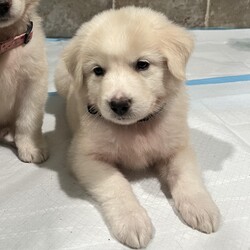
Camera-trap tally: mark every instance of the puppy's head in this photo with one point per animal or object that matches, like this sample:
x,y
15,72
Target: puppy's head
x,y
13,10
131,61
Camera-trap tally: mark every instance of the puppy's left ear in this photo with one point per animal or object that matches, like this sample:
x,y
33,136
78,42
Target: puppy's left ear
x,y
177,45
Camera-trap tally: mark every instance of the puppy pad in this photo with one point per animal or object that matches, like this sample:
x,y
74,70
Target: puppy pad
x,y
42,207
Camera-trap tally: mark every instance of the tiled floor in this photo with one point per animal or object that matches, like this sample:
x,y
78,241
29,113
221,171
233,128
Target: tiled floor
x,y
43,207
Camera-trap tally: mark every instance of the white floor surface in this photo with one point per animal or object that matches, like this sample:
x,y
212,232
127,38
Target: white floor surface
x,y
42,207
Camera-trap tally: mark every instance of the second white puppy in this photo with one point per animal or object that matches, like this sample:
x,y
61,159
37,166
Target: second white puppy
x,y
122,76
23,78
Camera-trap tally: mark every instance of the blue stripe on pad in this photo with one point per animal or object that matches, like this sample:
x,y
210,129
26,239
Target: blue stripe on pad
x,y
219,80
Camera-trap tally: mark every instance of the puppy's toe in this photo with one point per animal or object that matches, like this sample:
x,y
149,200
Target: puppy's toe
x,y
133,229
200,212
32,154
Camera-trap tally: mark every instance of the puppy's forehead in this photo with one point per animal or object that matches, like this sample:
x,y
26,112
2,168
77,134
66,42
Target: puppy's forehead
x,y
123,35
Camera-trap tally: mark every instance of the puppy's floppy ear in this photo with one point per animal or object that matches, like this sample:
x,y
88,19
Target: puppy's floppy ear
x,y
177,45
73,61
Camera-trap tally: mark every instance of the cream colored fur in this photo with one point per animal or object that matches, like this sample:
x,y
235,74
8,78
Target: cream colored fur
x,y
23,82
115,40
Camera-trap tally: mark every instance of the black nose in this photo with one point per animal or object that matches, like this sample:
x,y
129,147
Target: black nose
x,y
4,7
121,105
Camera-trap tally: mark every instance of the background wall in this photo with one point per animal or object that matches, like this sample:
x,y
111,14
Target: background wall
x,y
63,17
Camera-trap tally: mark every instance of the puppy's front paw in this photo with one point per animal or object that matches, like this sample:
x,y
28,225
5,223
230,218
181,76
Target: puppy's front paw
x,y
133,228
29,153
199,212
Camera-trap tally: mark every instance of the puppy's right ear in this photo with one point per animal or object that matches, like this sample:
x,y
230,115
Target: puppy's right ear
x,y
73,60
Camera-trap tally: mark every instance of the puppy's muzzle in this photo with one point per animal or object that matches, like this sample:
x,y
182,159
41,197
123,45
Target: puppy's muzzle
x,y
120,106
4,7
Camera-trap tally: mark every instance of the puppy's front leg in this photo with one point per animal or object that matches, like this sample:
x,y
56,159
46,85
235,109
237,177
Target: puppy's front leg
x,y
28,127
127,219
190,196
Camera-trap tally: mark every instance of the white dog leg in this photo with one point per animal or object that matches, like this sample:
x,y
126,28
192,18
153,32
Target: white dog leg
x,y
189,194
28,135
128,221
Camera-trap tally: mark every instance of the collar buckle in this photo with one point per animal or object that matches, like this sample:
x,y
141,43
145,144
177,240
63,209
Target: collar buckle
x,y
28,33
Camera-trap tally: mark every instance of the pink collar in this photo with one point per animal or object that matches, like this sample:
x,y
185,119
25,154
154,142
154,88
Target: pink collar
x,y
17,41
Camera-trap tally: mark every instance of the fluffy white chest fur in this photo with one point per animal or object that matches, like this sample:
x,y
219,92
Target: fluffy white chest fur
x,y
13,80
135,146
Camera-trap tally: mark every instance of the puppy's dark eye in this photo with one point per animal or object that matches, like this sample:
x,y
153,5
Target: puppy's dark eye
x,y
99,71
142,65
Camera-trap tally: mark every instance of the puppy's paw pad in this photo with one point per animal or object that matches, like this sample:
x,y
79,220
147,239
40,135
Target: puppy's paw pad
x,y
200,212
133,229
32,154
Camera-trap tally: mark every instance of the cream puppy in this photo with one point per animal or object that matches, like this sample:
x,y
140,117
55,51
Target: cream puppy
x,y
23,78
123,79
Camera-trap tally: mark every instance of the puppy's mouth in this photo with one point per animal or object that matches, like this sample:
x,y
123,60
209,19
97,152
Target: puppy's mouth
x,y
127,119
9,18
5,19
